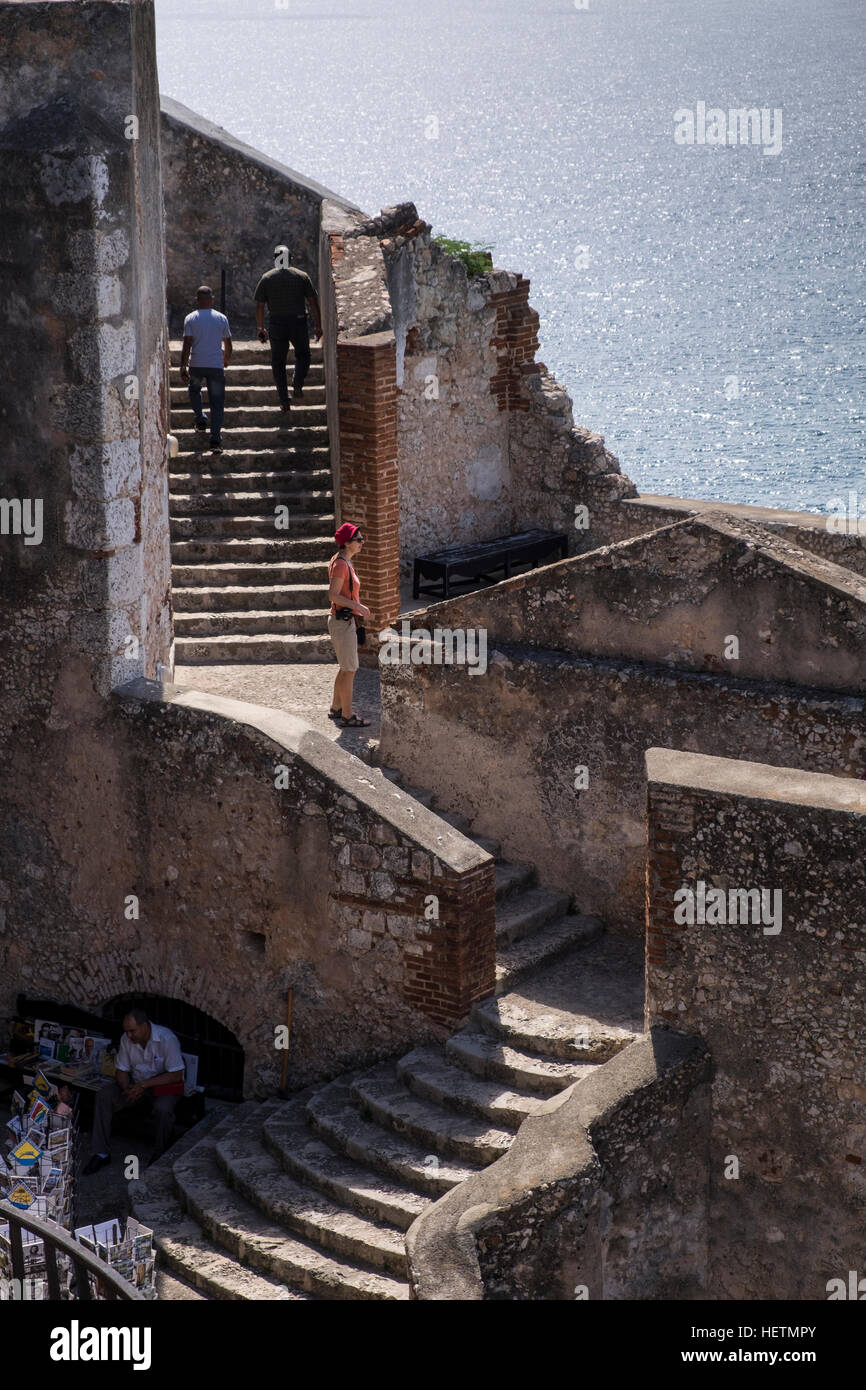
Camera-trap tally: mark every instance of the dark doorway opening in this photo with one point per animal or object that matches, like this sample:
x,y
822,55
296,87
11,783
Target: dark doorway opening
x,y
220,1055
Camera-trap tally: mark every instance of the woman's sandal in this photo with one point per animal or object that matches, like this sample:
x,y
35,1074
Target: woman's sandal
x,y
335,713
353,722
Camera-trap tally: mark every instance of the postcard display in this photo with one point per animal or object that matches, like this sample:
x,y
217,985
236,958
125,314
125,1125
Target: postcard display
x,y
39,1169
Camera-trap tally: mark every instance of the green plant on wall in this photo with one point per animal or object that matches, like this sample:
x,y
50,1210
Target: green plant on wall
x,y
474,254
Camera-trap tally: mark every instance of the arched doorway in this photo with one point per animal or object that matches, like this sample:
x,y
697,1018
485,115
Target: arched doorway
x,y
220,1055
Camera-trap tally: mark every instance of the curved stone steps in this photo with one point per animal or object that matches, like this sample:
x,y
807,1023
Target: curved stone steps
x,y
334,1115
302,1153
586,1007
526,912
513,878
254,1173
548,944
484,1055
428,1072
239,1227
381,1094
181,1245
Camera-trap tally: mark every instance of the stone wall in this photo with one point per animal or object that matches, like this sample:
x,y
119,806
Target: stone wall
x,y
84,362
818,534
601,1196
781,1010
514,750
261,858
679,596
228,205
486,438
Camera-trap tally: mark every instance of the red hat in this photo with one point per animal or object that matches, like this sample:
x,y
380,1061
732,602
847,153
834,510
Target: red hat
x,y
346,532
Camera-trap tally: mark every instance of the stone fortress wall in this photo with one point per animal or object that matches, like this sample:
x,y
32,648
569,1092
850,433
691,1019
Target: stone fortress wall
x,y
146,844
620,648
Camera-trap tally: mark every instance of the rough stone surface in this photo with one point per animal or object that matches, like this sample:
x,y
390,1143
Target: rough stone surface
x,y
681,596
213,182
782,1013
602,1195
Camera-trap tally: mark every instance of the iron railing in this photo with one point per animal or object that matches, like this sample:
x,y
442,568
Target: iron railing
x,y
84,1262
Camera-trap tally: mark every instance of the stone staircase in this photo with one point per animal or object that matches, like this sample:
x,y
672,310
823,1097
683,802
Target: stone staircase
x,y
311,1197
244,589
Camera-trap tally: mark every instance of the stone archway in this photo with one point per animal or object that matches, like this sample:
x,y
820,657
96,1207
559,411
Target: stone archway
x,y
220,1055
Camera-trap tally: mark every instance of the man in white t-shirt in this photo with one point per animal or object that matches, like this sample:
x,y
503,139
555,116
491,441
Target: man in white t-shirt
x,y
207,348
150,1067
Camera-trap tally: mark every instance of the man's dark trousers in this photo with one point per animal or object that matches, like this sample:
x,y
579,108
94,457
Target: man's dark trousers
x,y
110,1098
285,333
216,395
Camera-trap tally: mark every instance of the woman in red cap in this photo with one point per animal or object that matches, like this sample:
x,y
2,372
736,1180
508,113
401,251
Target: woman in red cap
x,y
344,587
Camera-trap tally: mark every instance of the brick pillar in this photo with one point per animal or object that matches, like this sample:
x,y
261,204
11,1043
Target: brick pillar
x,y
367,376
515,338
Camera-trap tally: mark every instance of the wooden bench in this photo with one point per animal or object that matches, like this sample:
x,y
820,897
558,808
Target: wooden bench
x,y
484,560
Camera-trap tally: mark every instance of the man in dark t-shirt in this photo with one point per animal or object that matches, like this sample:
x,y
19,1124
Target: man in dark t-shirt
x,y
286,292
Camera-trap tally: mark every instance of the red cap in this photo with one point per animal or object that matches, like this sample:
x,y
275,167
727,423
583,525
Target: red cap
x,y
346,532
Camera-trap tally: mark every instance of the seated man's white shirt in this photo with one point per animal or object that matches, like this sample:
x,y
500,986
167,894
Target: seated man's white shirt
x,y
207,328
160,1053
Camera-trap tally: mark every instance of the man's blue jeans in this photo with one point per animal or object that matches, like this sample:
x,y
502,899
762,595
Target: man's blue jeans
x,y
216,395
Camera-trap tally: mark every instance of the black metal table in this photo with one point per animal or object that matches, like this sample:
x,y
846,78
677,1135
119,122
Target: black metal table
x,y
483,560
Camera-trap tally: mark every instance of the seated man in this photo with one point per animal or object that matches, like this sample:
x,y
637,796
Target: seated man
x,y
149,1069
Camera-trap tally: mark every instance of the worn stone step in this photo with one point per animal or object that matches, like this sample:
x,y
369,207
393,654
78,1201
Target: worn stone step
x,y
286,1134
248,392
252,549
585,1007
429,1073
251,503
526,912
247,351
293,481
258,525
181,1245
251,623
255,1173
236,1225
305,460
297,574
247,439
283,598
256,417
512,879
530,953
382,1095
261,648
484,1055
334,1115
243,376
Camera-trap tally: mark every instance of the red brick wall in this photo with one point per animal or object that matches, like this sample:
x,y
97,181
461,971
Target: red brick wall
x,y
367,375
442,965
516,342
